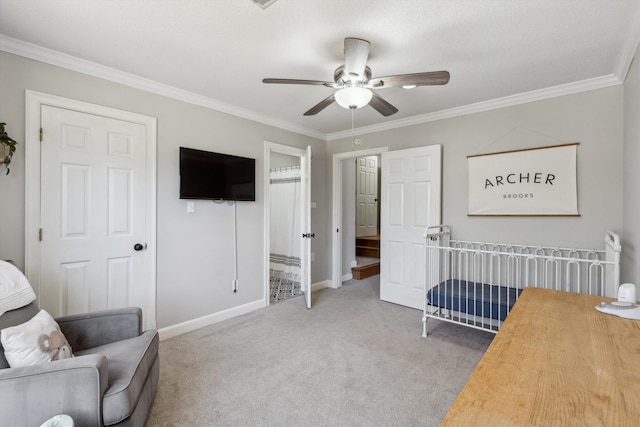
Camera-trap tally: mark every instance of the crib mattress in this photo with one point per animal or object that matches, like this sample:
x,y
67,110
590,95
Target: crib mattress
x,y
480,299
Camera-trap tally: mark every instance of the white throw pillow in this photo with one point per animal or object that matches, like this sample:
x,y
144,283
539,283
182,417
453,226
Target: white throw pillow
x,y
37,341
15,290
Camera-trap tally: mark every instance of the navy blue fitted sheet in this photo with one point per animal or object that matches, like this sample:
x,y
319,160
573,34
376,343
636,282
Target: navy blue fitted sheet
x,y
489,301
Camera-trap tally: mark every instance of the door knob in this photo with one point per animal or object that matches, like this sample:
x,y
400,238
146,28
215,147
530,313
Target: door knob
x,y
139,246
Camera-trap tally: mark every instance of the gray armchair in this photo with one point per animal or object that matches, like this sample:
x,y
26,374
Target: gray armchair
x,y
111,381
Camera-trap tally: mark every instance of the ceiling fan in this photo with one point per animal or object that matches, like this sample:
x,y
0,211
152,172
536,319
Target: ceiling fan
x,y
354,83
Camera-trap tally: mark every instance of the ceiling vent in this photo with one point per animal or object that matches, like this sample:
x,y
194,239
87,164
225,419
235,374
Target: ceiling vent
x,y
264,3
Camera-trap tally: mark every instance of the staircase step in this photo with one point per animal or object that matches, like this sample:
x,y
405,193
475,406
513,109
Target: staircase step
x,y
365,271
368,243
368,252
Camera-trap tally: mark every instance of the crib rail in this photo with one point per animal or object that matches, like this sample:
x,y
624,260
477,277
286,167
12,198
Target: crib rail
x,y
477,283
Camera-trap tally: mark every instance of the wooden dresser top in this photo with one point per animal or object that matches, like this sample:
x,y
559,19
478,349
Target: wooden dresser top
x,y
556,361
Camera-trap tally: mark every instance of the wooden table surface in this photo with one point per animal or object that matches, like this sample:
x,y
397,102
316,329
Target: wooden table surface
x,y
556,361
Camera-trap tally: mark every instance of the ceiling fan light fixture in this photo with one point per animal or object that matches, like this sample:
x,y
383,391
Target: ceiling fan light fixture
x,y
353,98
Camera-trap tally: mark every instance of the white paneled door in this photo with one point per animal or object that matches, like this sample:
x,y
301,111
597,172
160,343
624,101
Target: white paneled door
x,y
305,273
411,201
93,249
367,196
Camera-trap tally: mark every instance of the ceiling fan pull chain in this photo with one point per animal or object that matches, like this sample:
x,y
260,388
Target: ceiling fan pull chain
x,y
352,132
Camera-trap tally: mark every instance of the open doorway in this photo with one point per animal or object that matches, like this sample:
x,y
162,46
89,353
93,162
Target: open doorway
x,y
367,217
410,201
285,244
287,223
344,212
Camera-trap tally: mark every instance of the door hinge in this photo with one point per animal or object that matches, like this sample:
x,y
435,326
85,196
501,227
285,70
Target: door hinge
x,y
41,135
40,234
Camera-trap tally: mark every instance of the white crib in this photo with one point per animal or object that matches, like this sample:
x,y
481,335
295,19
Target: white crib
x,y
476,284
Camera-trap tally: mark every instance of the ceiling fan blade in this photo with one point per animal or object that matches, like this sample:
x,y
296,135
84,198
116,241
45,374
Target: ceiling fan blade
x,y
356,52
320,106
382,106
300,82
415,79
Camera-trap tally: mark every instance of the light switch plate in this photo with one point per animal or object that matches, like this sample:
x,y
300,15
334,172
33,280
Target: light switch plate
x,y
191,206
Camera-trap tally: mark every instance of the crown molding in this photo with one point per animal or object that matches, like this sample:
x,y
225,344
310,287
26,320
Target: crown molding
x,y
52,57
629,50
493,104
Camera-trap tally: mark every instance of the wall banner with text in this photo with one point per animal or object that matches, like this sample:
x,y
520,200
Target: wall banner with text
x,y
535,181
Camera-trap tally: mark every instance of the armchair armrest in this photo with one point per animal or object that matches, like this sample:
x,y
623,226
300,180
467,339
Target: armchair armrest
x,y
32,394
97,328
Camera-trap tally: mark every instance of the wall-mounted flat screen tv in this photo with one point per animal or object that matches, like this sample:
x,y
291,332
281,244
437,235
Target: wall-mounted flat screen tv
x,y
216,176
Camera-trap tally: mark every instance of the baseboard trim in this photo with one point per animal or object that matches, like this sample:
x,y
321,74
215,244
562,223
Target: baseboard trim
x,y
346,277
210,319
320,285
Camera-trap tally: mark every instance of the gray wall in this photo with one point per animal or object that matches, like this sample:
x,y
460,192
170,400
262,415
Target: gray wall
x,y
592,118
194,257
631,243
194,272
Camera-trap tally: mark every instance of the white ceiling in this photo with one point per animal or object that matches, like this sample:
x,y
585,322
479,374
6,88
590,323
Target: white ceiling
x,y
219,51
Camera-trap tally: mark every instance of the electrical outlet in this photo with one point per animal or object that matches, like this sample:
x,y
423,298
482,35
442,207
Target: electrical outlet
x,y
313,256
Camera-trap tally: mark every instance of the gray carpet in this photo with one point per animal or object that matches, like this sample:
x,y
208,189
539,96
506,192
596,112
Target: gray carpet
x,y
351,360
